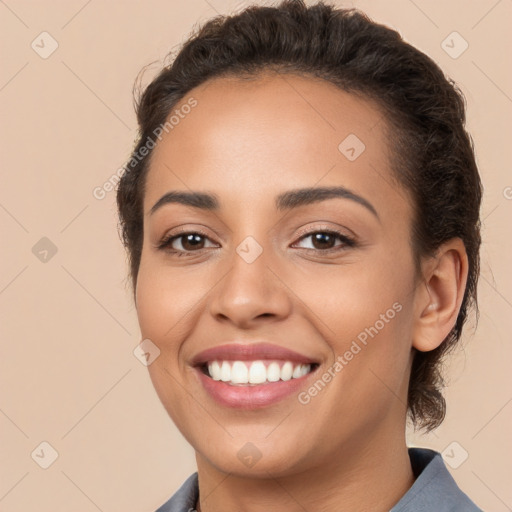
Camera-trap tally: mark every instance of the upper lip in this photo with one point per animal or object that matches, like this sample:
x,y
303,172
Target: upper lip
x,y
249,352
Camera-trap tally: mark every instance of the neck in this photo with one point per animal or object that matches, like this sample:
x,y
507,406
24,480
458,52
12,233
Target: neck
x,y
370,475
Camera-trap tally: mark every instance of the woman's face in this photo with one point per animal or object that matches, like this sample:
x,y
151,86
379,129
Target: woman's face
x,y
329,277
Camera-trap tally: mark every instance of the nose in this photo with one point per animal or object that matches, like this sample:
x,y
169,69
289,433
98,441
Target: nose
x,y
251,293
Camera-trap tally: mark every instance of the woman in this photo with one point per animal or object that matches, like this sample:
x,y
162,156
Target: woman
x,y
301,213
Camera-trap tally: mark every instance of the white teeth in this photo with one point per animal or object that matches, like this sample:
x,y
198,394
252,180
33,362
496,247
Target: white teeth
x,y
287,371
297,372
239,373
215,372
225,372
273,372
255,372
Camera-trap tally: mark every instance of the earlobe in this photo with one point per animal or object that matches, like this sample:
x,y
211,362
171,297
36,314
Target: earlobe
x,y
439,297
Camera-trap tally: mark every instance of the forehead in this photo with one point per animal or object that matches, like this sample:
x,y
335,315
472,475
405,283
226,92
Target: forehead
x,y
245,138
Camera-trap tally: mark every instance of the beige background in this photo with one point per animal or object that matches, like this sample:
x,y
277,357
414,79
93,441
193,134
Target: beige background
x,y
68,375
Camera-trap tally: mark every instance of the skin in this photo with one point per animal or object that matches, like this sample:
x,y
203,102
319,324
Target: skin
x,y
246,142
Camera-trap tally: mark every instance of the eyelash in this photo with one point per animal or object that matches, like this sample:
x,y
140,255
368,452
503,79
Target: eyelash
x,y
165,244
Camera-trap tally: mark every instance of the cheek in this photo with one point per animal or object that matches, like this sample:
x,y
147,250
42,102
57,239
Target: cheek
x,y
167,300
365,314
348,299
167,306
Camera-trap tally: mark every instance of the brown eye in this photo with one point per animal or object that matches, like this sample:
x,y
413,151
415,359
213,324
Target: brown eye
x,y
191,241
323,240
326,240
185,243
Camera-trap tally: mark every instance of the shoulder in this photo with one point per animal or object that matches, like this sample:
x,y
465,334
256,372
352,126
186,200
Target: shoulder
x,y
434,488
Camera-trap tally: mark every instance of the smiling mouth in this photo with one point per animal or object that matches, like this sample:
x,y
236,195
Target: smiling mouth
x,y
257,372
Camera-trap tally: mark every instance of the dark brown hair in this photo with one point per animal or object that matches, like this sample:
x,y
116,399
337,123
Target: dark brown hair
x,y
432,154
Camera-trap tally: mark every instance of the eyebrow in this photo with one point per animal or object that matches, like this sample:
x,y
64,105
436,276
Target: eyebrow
x,y
284,201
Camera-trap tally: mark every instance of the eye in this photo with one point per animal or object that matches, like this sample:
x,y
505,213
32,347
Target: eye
x,y
325,240
188,242
185,242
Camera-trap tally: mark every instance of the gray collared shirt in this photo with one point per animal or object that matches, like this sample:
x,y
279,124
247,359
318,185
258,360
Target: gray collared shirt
x,y
434,489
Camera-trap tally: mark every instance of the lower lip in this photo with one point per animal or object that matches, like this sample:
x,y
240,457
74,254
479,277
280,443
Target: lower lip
x,y
251,397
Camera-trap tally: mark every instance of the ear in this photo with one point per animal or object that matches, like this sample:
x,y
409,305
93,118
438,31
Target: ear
x,y
439,295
